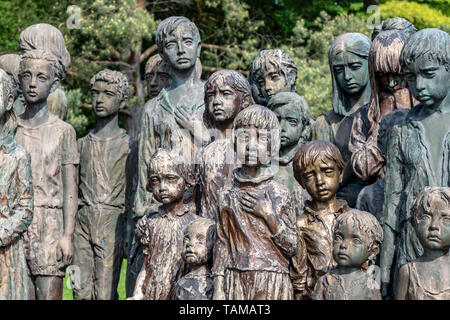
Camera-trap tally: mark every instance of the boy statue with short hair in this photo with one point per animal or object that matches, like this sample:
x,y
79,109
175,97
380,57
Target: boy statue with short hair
x,y
357,236
52,145
162,233
271,72
256,222
318,167
295,120
106,183
198,243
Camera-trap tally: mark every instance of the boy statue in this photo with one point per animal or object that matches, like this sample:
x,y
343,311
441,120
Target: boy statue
x,y
106,182
52,145
418,150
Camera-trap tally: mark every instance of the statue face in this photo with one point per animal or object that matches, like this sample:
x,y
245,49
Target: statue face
x,y
428,81
105,99
157,79
321,179
6,101
180,49
167,185
351,72
391,82
36,80
351,246
291,124
195,249
272,82
223,102
433,228
252,146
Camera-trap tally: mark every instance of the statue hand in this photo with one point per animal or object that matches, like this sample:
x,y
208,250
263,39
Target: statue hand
x,y
253,203
402,99
66,247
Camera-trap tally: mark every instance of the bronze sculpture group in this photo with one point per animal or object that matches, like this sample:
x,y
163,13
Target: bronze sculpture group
x,y
232,190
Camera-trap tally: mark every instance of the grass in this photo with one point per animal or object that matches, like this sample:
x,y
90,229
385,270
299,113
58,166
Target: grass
x,y
68,294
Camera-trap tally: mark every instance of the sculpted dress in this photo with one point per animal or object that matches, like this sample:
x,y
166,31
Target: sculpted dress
x,y
16,192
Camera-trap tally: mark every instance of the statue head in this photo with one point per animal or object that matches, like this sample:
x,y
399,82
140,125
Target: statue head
x,y
425,61
256,136
347,57
169,175
357,237
319,167
384,68
397,23
47,38
227,92
198,242
431,218
7,114
295,119
273,71
157,75
109,92
178,41
39,75
10,64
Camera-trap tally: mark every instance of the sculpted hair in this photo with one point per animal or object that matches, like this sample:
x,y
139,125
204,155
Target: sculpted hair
x,y
358,44
427,200
431,43
10,125
154,62
163,158
364,222
41,55
282,98
397,23
168,25
233,79
10,63
280,60
113,77
47,38
384,57
312,151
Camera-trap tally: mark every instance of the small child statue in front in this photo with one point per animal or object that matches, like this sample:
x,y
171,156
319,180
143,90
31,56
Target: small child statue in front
x,y
271,72
198,243
106,184
256,221
428,277
357,236
295,120
318,167
161,233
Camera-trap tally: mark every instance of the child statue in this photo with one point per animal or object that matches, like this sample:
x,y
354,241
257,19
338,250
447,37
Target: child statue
x,y
106,174
357,236
389,92
169,120
318,167
227,92
272,71
295,120
418,150
48,38
16,190
198,242
428,277
52,145
256,222
161,233
350,80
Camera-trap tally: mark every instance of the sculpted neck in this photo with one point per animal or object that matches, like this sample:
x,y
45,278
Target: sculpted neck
x,y
107,126
187,78
35,114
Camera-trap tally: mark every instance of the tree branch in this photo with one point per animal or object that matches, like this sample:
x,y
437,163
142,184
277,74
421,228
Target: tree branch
x,y
148,52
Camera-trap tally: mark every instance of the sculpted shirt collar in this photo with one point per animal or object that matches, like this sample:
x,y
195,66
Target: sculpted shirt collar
x,y
266,173
287,158
187,207
313,215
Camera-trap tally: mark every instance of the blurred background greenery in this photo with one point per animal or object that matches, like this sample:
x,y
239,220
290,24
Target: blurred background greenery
x,y
120,35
